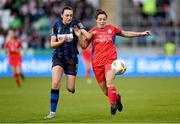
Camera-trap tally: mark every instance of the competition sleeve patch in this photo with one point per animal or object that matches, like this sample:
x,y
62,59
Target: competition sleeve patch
x,y
80,25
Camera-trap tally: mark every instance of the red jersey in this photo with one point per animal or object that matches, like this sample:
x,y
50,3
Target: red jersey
x,y
13,47
104,50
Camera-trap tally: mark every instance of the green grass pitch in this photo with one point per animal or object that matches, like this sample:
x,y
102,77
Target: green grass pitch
x,y
145,100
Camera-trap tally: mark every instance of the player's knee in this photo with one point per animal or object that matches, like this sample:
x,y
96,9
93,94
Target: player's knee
x,y
55,85
109,81
110,84
72,90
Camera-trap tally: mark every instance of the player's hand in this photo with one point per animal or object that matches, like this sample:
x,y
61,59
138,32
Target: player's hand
x,y
146,33
91,35
62,39
94,32
66,37
77,31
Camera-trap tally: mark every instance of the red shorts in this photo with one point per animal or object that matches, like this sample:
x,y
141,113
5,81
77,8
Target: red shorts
x,y
15,61
100,72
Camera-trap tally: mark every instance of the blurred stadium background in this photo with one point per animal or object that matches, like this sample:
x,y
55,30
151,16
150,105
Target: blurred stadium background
x,y
33,19
156,55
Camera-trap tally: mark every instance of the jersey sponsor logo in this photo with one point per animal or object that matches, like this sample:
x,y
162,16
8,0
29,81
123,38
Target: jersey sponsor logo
x,y
62,36
105,40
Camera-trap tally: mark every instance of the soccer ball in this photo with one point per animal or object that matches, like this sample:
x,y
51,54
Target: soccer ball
x,y
118,66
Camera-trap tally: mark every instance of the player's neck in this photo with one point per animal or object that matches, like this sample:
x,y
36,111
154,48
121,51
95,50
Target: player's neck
x,y
101,27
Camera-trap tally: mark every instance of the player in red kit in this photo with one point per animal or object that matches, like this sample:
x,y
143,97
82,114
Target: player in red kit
x,y
13,46
104,53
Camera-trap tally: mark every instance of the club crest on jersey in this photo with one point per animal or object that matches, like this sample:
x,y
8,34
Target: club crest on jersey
x,y
109,31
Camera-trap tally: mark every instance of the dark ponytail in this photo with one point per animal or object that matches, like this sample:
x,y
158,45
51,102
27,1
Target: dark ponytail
x,y
100,11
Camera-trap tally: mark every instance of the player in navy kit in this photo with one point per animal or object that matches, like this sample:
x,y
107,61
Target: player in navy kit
x,y
64,39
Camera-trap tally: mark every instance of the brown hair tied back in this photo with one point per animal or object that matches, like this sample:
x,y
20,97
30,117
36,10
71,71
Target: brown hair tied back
x,y
100,11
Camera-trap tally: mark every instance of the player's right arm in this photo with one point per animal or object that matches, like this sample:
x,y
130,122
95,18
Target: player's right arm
x,y
55,39
55,43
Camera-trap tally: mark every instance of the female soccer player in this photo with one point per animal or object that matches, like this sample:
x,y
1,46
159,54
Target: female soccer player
x,y
104,53
64,39
13,46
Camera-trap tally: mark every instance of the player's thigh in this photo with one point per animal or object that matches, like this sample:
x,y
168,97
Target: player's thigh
x,y
71,66
12,64
15,63
109,75
57,72
99,72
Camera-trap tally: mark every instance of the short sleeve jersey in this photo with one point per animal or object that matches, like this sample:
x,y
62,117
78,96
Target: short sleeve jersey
x,y
104,50
13,48
68,48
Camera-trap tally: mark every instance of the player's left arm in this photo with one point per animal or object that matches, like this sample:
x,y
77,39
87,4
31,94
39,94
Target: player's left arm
x,y
86,34
20,47
135,34
82,28
81,38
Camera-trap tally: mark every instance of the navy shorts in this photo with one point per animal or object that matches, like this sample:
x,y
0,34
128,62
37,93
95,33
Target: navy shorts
x,y
70,65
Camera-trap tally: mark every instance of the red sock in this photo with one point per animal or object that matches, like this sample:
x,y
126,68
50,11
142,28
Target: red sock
x,y
16,77
112,95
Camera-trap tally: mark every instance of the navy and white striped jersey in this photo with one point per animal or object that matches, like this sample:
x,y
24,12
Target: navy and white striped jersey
x,y
68,48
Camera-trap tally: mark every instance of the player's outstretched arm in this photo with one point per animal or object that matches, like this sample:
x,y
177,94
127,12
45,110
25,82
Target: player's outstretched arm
x,y
81,38
87,34
135,34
